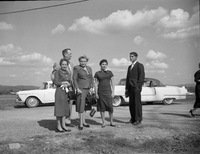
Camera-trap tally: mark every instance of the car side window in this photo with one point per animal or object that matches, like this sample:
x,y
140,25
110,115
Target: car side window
x,y
122,82
52,86
146,84
45,85
153,84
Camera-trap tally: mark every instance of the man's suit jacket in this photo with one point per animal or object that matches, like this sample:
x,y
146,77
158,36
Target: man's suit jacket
x,y
135,76
81,78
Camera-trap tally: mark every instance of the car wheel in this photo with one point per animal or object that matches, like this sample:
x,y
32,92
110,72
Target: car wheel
x,y
117,101
168,101
32,102
149,103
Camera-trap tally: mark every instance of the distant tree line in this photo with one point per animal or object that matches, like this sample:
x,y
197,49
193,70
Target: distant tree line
x,y
6,90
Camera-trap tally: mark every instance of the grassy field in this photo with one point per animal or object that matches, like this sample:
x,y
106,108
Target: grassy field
x,y
7,102
145,139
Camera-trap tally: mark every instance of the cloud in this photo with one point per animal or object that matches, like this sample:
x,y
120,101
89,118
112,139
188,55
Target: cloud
x,y
176,18
58,30
155,55
156,65
121,71
13,55
120,62
117,21
155,62
5,26
12,75
183,33
179,24
33,59
155,71
9,49
4,62
138,40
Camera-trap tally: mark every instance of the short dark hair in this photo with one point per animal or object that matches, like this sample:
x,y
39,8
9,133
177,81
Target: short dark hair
x,y
134,53
61,61
102,61
65,50
84,57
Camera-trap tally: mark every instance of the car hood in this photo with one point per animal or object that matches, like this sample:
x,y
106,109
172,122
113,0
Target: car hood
x,y
24,92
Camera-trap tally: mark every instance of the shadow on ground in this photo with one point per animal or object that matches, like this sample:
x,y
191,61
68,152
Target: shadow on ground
x,y
180,115
50,124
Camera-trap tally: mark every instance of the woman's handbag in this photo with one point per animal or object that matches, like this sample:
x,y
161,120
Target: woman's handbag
x,y
90,101
71,93
92,112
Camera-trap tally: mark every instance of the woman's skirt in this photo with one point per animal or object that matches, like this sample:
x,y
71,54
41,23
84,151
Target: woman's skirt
x,y
61,103
197,94
105,102
80,101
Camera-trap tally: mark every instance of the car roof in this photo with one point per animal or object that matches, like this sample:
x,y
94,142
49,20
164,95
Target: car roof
x,y
146,79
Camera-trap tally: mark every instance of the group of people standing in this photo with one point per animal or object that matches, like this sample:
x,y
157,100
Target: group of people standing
x,y
75,82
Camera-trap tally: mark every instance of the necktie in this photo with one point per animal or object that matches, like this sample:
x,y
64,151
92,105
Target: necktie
x,y
132,66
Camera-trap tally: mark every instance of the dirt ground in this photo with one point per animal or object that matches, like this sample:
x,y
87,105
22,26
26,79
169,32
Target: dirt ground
x,y
164,129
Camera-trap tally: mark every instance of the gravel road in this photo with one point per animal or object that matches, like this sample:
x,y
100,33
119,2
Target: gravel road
x,y
159,122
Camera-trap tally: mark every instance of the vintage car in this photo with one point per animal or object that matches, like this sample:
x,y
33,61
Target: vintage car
x,y
152,91
32,98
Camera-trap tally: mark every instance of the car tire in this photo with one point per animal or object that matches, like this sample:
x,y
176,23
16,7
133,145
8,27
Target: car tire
x,y
149,103
32,102
117,101
168,101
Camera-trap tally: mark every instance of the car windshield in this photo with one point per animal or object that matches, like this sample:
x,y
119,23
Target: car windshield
x,y
45,85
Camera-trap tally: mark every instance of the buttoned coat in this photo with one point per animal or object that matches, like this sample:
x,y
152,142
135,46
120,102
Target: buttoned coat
x,y
135,76
82,79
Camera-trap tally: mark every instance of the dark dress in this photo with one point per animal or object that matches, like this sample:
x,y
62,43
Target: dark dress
x,y
104,91
61,97
197,89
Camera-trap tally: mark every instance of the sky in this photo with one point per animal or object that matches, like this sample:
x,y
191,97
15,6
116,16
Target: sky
x,y
164,33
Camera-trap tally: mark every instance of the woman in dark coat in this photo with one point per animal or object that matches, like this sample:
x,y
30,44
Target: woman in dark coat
x,y
104,91
197,92
62,81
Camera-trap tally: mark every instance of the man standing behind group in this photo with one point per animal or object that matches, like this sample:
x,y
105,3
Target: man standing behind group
x,y
134,81
67,54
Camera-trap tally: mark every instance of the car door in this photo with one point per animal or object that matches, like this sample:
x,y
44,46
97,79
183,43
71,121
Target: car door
x,y
49,93
148,93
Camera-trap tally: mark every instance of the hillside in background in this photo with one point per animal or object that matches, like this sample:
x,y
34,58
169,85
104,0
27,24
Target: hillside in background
x,y
8,89
189,87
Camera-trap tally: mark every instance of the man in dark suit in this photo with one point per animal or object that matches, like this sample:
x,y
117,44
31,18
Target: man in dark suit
x,y
134,81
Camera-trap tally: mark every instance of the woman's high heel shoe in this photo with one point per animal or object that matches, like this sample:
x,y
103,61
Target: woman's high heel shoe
x,y
192,113
59,131
80,128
